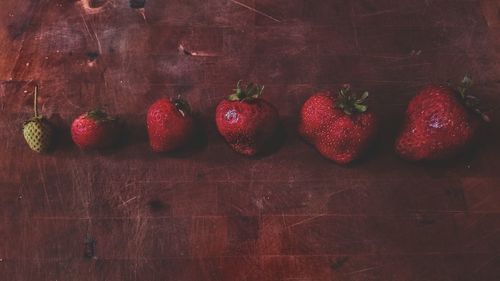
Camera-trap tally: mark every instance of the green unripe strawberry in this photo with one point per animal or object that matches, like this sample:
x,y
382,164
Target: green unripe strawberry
x,y
37,131
38,134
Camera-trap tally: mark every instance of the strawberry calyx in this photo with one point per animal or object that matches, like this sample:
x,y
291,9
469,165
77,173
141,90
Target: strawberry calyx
x,y
182,106
248,92
35,119
471,102
99,115
349,102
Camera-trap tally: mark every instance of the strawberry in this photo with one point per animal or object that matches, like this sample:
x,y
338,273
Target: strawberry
x,y
94,130
170,124
439,123
246,121
339,127
37,131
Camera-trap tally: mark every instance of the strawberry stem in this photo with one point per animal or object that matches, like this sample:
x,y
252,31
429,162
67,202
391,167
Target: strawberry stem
x,y
35,101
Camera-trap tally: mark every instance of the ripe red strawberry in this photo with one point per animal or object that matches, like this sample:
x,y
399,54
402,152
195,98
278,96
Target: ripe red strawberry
x,y
340,127
439,123
170,124
94,130
246,121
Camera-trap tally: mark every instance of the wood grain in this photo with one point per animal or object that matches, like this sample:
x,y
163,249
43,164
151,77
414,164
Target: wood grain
x,y
206,213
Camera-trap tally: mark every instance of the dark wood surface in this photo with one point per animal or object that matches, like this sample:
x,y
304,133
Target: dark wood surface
x,y
206,213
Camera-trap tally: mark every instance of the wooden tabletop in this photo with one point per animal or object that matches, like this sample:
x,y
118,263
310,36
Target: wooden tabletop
x,y
207,213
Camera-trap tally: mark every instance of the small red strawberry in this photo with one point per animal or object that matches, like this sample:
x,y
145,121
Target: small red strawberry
x,y
246,121
94,130
339,127
439,123
170,124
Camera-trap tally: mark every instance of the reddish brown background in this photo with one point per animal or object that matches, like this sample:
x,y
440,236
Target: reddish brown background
x,y
207,213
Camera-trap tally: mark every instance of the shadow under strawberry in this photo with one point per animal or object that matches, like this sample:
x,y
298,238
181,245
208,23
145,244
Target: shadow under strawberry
x,y
126,134
372,151
197,143
62,136
382,143
134,131
276,142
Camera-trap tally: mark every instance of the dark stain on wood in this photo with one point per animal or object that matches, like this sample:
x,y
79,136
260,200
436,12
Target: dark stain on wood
x,y
243,228
96,3
137,4
90,248
339,262
157,206
92,56
17,29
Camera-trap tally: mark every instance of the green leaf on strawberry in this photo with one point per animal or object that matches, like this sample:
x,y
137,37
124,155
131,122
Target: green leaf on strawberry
x,y
349,103
248,92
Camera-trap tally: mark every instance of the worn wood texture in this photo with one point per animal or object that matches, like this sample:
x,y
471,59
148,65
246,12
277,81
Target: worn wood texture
x,y
207,213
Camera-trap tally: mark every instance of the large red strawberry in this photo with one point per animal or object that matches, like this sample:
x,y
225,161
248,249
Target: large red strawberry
x,y
94,130
247,122
439,123
339,127
170,124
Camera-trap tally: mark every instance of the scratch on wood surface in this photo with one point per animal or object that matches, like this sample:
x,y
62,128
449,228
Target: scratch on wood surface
x,y
255,10
18,56
240,210
42,180
140,230
187,52
490,13
364,270
92,33
338,192
305,220
124,203
481,202
142,12
483,265
354,27
24,36
415,53
59,193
